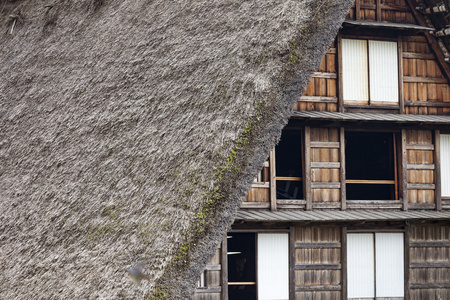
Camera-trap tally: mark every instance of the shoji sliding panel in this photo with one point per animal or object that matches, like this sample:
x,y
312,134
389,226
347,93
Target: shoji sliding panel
x,y
273,266
383,72
389,264
360,265
355,71
445,164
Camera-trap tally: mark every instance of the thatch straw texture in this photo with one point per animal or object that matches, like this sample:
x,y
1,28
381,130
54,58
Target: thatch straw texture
x,y
131,130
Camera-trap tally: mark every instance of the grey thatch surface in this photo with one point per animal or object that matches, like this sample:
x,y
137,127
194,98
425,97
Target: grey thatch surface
x,y
130,132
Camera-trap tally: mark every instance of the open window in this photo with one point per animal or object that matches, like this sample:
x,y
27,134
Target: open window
x,y
258,266
375,267
288,156
369,72
370,160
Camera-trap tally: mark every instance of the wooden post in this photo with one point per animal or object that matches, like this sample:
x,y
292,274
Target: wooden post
x,y
342,170
358,10
401,101
344,262
224,268
407,259
340,82
292,262
273,181
378,10
404,176
307,181
437,169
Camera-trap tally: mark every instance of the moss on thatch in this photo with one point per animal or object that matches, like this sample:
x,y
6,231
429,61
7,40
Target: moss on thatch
x,y
131,131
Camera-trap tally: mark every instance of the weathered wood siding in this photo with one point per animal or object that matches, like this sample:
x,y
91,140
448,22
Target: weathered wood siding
x,y
213,289
420,169
318,263
394,11
259,194
429,262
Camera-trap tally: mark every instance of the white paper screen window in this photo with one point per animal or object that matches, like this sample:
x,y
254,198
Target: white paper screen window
x,y
273,266
445,164
360,266
355,70
389,264
383,71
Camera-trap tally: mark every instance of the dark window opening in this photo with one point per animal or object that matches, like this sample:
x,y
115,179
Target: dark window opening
x,y
288,156
370,166
241,266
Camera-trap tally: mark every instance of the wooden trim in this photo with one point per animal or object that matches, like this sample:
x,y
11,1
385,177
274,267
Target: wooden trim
x,y
358,10
343,192
326,165
326,205
260,185
307,168
242,283
273,181
290,201
406,254
281,178
331,50
325,185
420,166
378,10
430,244
433,264
403,176
318,266
430,285
412,79
334,145
401,100
209,289
292,262
255,205
327,75
421,186
344,262
319,245
421,206
213,267
429,147
340,82
321,99
224,263
437,170
367,181
303,288
415,55
427,103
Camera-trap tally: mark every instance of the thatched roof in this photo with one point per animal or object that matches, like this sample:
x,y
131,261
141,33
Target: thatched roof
x,y
131,130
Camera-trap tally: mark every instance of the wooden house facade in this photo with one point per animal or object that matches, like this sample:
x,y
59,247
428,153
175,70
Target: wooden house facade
x,y
354,201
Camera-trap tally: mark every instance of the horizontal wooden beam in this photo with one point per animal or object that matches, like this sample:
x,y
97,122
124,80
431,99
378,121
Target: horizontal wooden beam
x,y
326,165
434,264
420,186
367,181
209,289
420,166
317,266
319,99
319,245
327,75
213,268
429,285
427,103
261,185
326,205
420,147
285,178
430,244
255,205
411,79
302,288
325,185
242,283
325,145
415,55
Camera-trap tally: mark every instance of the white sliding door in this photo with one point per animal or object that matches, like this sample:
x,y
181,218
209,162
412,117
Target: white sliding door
x,y
389,264
355,70
445,164
273,266
360,265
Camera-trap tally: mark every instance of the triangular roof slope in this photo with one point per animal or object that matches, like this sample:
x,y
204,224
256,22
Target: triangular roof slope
x,y
131,130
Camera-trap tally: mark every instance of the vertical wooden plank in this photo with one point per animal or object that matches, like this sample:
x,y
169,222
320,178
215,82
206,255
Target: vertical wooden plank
x,y
292,262
224,268
344,262
339,67
358,10
307,181
437,169
378,10
404,170
273,181
407,259
342,170
400,75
